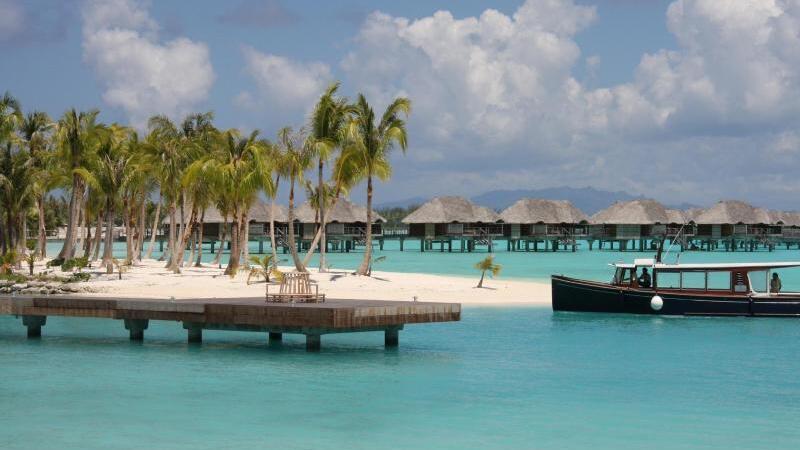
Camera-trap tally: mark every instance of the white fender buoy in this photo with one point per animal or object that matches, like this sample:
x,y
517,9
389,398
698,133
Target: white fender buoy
x,y
656,303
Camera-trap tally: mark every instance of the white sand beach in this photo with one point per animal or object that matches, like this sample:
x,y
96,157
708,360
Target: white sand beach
x,y
150,279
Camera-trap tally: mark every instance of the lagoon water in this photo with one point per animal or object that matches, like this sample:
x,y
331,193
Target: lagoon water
x,y
501,378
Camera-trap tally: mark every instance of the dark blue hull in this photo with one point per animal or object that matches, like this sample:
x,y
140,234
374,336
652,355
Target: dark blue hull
x,y
586,296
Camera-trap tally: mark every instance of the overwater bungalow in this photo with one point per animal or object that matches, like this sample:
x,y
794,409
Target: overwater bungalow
x,y
346,227
637,225
258,215
789,222
453,219
736,225
529,222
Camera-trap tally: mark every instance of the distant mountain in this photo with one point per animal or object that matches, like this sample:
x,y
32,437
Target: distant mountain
x,y
587,199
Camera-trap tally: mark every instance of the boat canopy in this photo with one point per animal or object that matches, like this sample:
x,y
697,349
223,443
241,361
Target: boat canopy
x,y
706,266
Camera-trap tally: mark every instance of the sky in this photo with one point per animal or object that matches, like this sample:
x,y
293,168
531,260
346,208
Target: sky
x,y
684,101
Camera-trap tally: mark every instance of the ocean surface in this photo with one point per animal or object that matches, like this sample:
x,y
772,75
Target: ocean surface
x,y
521,377
501,378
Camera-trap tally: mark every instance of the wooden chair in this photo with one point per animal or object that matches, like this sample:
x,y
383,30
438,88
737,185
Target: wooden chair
x,y
296,287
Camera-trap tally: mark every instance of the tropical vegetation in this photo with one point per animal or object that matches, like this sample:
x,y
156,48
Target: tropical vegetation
x,y
104,181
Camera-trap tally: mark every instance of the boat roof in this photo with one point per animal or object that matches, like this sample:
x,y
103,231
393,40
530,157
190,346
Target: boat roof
x,y
707,266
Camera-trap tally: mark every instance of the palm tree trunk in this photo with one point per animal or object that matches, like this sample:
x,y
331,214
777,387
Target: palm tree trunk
x,y
298,265
108,249
98,231
192,245
233,260
273,242
318,236
199,261
323,264
222,236
42,249
171,244
155,228
141,228
480,283
186,232
246,241
364,268
128,224
68,249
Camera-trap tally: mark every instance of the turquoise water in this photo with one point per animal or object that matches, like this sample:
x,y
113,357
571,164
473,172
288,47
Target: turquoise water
x,y
501,378
516,265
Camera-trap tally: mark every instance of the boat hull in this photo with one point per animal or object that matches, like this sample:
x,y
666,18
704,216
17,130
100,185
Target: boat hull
x,y
569,294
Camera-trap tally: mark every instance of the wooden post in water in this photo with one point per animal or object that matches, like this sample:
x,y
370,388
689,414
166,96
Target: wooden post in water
x,y
136,328
34,324
313,342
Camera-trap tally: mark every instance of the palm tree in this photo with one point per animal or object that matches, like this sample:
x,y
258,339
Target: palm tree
x,y
10,118
78,134
166,155
17,176
372,143
325,135
35,129
296,160
487,265
277,158
109,178
239,168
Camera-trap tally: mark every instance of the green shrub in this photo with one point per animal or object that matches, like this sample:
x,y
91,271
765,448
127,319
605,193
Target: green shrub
x,y
79,276
55,262
68,265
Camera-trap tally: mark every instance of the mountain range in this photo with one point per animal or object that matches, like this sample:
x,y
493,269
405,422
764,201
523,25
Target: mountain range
x,y
587,199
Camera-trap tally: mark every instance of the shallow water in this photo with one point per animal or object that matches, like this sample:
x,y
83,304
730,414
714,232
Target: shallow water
x,y
539,266
501,378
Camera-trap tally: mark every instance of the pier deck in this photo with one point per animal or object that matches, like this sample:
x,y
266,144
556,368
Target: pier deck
x,y
240,314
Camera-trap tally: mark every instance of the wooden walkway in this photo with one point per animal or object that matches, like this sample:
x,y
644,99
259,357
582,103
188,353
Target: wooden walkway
x,y
240,314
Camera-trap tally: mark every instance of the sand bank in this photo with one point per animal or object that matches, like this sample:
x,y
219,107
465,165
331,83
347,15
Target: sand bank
x,y
150,279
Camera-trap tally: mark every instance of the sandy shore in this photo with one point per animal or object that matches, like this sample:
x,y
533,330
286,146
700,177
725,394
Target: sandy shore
x,y
150,279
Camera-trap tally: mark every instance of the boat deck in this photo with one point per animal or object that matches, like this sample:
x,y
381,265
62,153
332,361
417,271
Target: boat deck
x,y
242,314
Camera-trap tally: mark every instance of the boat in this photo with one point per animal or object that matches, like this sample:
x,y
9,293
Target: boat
x,y
716,289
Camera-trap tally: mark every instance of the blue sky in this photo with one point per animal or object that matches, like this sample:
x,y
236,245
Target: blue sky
x,y
669,99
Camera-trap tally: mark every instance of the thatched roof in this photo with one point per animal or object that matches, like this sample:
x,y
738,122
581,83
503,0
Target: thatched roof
x,y
529,210
691,213
733,212
344,211
259,212
637,212
676,216
451,210
790,218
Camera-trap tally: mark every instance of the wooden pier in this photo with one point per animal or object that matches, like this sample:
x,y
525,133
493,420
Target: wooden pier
x,y
238,314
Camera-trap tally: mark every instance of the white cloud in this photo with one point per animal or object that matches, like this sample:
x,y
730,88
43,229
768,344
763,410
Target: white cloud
x,y
497,92
280,80
140,73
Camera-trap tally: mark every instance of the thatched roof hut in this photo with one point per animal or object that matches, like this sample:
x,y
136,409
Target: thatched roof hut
x,y
529,210
733,212
787,218
259,212
344,211
637,212
451,210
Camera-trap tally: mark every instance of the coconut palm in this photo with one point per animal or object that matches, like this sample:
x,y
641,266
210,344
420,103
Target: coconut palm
x,y
371,144
109,178
167,157
17,182
297,158
238,167
325,136
78,136
487,265
35,130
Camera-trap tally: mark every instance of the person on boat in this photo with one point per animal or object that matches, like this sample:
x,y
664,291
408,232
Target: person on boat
x,y
775,284
644,279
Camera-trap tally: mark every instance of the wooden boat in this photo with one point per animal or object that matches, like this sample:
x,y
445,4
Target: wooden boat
x,y
741,289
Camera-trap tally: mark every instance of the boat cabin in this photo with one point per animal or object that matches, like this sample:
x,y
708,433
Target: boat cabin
x,y
745,279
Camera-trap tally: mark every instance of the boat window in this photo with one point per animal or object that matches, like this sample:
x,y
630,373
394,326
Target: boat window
x,y
719,281
618,275
694,280
758,280
668,280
